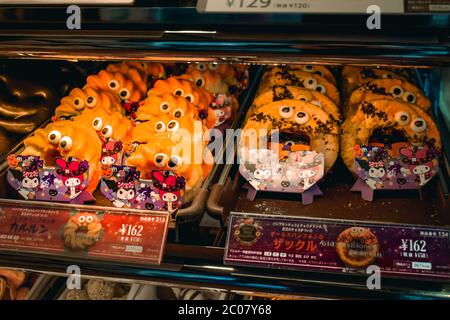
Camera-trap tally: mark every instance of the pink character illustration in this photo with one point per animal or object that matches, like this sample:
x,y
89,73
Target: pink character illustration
x,y
169,189
222,108
110,152
419,164
72,173
30,182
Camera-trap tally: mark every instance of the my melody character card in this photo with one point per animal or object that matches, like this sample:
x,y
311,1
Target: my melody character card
x,y
403,166
124,188
66,182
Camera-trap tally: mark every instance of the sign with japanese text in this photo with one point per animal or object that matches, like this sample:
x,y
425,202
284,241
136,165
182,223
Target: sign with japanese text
x,y
87,233
326,245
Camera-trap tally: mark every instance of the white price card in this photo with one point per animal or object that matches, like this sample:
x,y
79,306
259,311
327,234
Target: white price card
x,y
298,6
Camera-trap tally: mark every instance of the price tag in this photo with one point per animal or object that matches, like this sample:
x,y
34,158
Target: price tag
x,y
300,243
102,235
432,6
298,6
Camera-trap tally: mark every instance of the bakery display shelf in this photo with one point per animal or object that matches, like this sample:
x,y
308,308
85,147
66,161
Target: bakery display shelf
x,y
202,267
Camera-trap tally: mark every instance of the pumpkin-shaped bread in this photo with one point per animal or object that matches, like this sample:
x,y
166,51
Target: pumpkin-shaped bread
x,y
393,118
316,69
308,80
317,129
389,88
137,75
187,89
165,123
67,139
277,93
119,84
108,125
184,159
166,103
354,77
209,80
87,98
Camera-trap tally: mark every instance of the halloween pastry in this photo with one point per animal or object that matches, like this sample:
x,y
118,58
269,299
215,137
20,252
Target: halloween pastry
x,y
235,77
149,70
82,231
16,278
354,77
277,93
76,294
167,104
162,153
311,124
127,89
84,99
392,119
195,95
308,80
68,139
357,247
316,69
10,284
387,89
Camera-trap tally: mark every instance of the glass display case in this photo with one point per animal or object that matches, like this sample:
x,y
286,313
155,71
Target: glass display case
x,y
370,109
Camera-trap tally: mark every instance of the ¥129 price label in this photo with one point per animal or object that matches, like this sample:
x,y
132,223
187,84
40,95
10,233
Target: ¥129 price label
x,y
298,6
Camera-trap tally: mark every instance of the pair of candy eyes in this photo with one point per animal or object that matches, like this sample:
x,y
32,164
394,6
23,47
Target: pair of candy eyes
x,y
174,162
189,97
87,219
211,66
313,84
403,118
165,107
301,117
64,143
90,102
310,68
357,230
106,131
399,93
124,93
172,125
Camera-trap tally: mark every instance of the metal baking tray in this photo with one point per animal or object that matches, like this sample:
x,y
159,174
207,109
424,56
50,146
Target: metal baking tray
x,y
192,213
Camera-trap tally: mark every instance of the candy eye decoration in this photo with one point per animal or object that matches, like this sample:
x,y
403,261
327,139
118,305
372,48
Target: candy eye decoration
x,y
91,101
409,97
78,103
289,143
107,131
201,67
113,85
173,125
213,66
321,89
178,92
160,160
386,76
65,144
286,112
190,97
160,127
200,82
82,219
418,125
301,117
124,94
54,137
303,98
178,113
174,162
396,91
89,219
308,68
164,107
402,118
318,72
97,124
310,83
